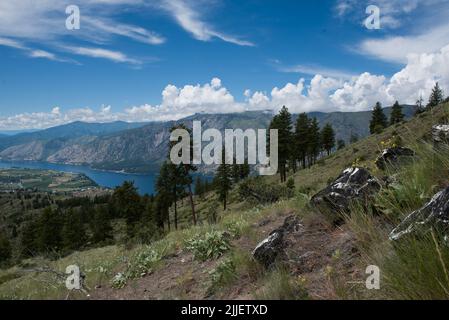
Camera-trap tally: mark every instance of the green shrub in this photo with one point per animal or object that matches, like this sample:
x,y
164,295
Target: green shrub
x,y
222,275
211,245
259,191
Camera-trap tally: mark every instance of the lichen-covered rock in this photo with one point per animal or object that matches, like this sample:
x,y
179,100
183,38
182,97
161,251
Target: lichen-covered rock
x,y
434,214
352,184
269,249
440,134
393,156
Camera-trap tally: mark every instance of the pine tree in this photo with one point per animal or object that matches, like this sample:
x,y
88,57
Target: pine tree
x,y
130,206
235,171
5,249
100,226
223,181
419,106
199,186
379,120
436,97
50,226
167,187
283,123
73,232
328,138
341,144
302,139
185,177
244,170
29,241
314,141
396,114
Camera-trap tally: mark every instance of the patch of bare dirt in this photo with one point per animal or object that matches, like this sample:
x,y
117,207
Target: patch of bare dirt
x,y
310,252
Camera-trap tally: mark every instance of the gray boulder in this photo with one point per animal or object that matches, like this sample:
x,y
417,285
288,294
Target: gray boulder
x,y
271,248
352,184
440,134
434,214
394,156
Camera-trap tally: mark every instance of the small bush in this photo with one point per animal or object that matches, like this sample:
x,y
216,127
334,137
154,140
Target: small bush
x,y
222,275
211,245
257,190
119,281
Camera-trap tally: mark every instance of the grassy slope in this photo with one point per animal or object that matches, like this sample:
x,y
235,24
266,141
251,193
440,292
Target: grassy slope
x,y
413,270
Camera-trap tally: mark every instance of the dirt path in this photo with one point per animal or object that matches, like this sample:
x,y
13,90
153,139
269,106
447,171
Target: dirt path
x,y
310,253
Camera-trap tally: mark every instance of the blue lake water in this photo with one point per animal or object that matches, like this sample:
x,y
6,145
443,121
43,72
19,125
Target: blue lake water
x,y
144,182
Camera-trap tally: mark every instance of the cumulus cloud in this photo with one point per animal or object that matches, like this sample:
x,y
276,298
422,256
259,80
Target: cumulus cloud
x,y
322,93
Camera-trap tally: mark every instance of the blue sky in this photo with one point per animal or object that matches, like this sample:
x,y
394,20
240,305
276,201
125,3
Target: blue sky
x,y
137,60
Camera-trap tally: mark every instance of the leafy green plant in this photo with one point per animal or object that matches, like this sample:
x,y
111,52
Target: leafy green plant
x,y
211,245
222,275
119,281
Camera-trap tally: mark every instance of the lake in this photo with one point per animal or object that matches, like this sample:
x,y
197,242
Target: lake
x,y
144,182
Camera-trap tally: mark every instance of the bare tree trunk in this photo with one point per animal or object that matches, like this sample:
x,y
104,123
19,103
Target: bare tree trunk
x,y
176,215
192,205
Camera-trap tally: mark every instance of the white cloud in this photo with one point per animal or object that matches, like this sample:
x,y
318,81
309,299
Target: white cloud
x,y
314,69
321,94
415,27
189,18
397,48
114,56
28,22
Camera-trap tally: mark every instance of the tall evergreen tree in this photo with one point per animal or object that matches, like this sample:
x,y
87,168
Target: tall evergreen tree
x,y
5,249
396,115
100,226
283,123
223,180
436,97
199,186
29,239
187,169
419,106
328,138
50,226
302,139
314,140
341,144
130,206
244,169
73,232
168,189
379,120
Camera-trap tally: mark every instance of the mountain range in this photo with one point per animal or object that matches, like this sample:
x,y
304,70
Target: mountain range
x,y
142,147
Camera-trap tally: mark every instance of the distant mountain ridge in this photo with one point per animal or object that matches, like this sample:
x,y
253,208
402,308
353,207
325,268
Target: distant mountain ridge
x,y
134,147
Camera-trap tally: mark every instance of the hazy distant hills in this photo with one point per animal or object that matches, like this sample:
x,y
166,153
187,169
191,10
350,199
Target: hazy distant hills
x,y
139,147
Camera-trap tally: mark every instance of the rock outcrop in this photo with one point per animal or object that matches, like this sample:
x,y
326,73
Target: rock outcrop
x,y
440,134
271,248
394,156
352,184
434,214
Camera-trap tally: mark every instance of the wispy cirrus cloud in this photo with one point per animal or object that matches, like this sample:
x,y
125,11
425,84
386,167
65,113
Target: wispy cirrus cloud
x,y
189,17
30,52
26,23
313,70
115,56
